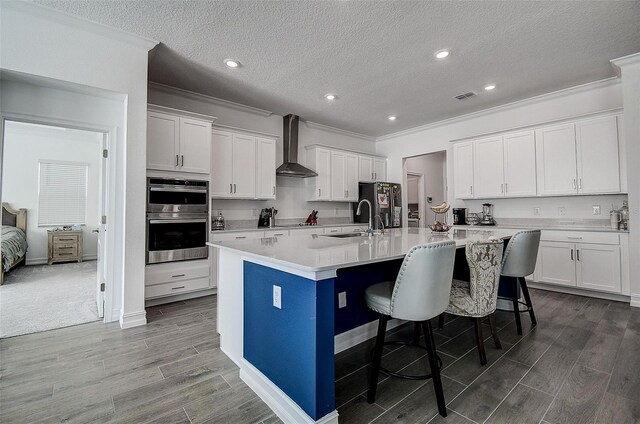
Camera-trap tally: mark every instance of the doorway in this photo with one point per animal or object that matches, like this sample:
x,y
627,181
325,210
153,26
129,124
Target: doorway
x,y
54,197
426,182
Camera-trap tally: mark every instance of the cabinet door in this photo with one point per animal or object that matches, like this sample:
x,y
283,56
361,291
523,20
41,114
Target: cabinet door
x,y
598,267
557,263
519,164
322,166
351,177
463,170
556,160
244,166
338,186
365,168
489,168
195,146
379,169
163,135
266,169
221,184
598,160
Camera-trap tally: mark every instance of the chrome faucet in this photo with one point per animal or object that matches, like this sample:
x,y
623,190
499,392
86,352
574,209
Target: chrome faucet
x,y
358,212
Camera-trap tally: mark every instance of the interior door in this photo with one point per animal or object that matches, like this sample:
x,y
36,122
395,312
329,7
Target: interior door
x,y
101,274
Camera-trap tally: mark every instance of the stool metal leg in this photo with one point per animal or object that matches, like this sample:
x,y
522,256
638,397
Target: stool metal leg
x,y
494,331
441,321
527,298
435,370
480,340
377,359
516,309
416,333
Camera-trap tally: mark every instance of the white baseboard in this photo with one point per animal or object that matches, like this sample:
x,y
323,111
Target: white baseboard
x,y
580,292
133,319
635,301
281,404
44,261
177,298
344,341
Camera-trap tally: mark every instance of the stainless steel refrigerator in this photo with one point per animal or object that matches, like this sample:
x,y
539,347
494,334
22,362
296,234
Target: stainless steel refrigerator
x,y
386,199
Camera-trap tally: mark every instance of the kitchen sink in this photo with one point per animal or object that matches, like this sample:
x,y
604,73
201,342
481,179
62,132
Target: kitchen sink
x,y
345,235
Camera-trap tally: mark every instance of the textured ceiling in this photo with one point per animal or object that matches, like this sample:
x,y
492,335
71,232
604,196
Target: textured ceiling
x,y
376,56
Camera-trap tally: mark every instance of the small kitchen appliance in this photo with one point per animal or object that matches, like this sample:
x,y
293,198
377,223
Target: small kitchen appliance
x,y
386,199
267,217
487,215
459,216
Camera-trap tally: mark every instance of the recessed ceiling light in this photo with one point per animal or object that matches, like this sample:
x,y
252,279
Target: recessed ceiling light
x,y
330,96
441,54
232,63
489,87
392,118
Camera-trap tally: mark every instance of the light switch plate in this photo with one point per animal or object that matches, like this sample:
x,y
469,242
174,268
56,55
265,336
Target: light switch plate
x,y
596,209
342,300
536,211
277,297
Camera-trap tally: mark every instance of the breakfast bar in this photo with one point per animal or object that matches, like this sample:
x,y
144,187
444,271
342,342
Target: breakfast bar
x,y
287,305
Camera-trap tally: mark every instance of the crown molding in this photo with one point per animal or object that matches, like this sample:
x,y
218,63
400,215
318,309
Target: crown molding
x,y
171,110
338,131
502,108
632,59
206,99
68,19
215,126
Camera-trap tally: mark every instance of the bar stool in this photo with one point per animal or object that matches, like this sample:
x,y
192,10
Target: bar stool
x,y
519,261
419,293
478,298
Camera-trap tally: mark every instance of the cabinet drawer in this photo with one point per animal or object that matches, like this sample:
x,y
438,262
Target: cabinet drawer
x,y
276,233
237,236
176,272
64,244
65,253
333,230
307,230
354,229
177,287
65,239
580,237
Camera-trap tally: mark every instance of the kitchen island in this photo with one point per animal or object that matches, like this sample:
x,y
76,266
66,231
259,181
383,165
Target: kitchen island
x,y
286,305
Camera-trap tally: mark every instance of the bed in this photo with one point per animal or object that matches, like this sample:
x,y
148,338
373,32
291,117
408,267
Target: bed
x,y
14,238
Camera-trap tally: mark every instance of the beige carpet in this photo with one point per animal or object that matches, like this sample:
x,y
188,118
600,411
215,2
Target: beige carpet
x,y
43,297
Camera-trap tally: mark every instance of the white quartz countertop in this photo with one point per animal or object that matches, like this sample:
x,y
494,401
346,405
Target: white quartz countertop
x,y
315,253
554,227
285,227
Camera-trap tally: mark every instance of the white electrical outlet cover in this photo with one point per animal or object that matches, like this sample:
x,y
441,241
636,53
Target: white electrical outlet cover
x,y
536,211
562,211
277,297
596,209
342,299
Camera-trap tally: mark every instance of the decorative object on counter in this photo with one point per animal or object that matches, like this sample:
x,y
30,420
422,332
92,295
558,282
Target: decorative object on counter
x,y
217,224
473,218
459,216
624,215
272,218
267,217
487,215
312,219
437,226
614,216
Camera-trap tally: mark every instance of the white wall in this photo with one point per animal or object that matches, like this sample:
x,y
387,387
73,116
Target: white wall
x,y
291,192
432,166
24,147
582,100
46,43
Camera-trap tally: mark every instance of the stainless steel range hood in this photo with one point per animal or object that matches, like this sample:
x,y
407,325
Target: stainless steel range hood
x,y
291,167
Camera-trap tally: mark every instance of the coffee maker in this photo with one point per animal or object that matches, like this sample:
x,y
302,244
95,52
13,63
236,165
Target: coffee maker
x,y
487,215
459,216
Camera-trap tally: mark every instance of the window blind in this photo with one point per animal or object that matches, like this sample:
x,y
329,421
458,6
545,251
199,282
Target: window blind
x,y
62,193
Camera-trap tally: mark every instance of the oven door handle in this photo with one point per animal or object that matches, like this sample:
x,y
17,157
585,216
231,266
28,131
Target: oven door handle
x,y
177,221
180,189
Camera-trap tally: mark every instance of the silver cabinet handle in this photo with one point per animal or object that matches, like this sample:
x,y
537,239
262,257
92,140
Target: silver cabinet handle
x,y
274,190
278,234
501,188
319,192
470,189
346,194
574,183
578,254
235,188
176,288
230,188
177,160
580,183
506,190
240,237
571,254
574,238
182,157
177,275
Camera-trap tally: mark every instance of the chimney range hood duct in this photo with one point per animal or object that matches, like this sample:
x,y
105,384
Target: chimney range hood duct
x,y
291,167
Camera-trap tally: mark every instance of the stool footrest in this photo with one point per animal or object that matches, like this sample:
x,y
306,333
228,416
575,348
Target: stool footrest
x,y
406,376
520,302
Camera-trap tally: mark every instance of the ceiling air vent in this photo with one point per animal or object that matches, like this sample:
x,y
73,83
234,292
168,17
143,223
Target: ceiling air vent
x,y
465,96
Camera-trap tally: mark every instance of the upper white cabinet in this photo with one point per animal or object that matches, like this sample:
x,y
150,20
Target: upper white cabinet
x,y
520,164
463,170
556,160
319,160
176,143
489,167
379,169
344,176
365,168
243,166
598,155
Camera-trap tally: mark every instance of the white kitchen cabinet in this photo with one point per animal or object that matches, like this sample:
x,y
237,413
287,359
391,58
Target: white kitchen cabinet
x,y
319,160
344,180
176,143
333,230
351,177
309,230
221,184
598,155
379,169
173,278
557,263
489,167
598,267
556,160
235,235
365,168
463,170
519,164
244,166
266,168
276,233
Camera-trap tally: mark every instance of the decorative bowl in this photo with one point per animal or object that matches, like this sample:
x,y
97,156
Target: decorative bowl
x,y
439,228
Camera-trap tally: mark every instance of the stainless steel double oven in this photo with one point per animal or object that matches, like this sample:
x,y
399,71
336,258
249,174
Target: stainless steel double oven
x,y
177,220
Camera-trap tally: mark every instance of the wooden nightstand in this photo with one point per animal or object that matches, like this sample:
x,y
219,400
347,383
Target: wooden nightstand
x,y
65,246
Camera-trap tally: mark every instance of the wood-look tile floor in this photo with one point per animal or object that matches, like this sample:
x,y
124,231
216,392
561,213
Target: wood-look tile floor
x,y
580,364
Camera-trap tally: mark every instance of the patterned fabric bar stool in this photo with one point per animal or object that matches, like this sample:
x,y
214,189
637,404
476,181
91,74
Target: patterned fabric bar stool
x,y
519,261
419,293
477,299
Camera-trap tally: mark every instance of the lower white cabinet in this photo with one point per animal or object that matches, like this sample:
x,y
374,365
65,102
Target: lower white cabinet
x,y
584,260
172,278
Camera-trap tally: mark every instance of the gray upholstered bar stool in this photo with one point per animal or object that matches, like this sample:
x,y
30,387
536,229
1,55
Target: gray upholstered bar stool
x,y
519,260
419,293
478,298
